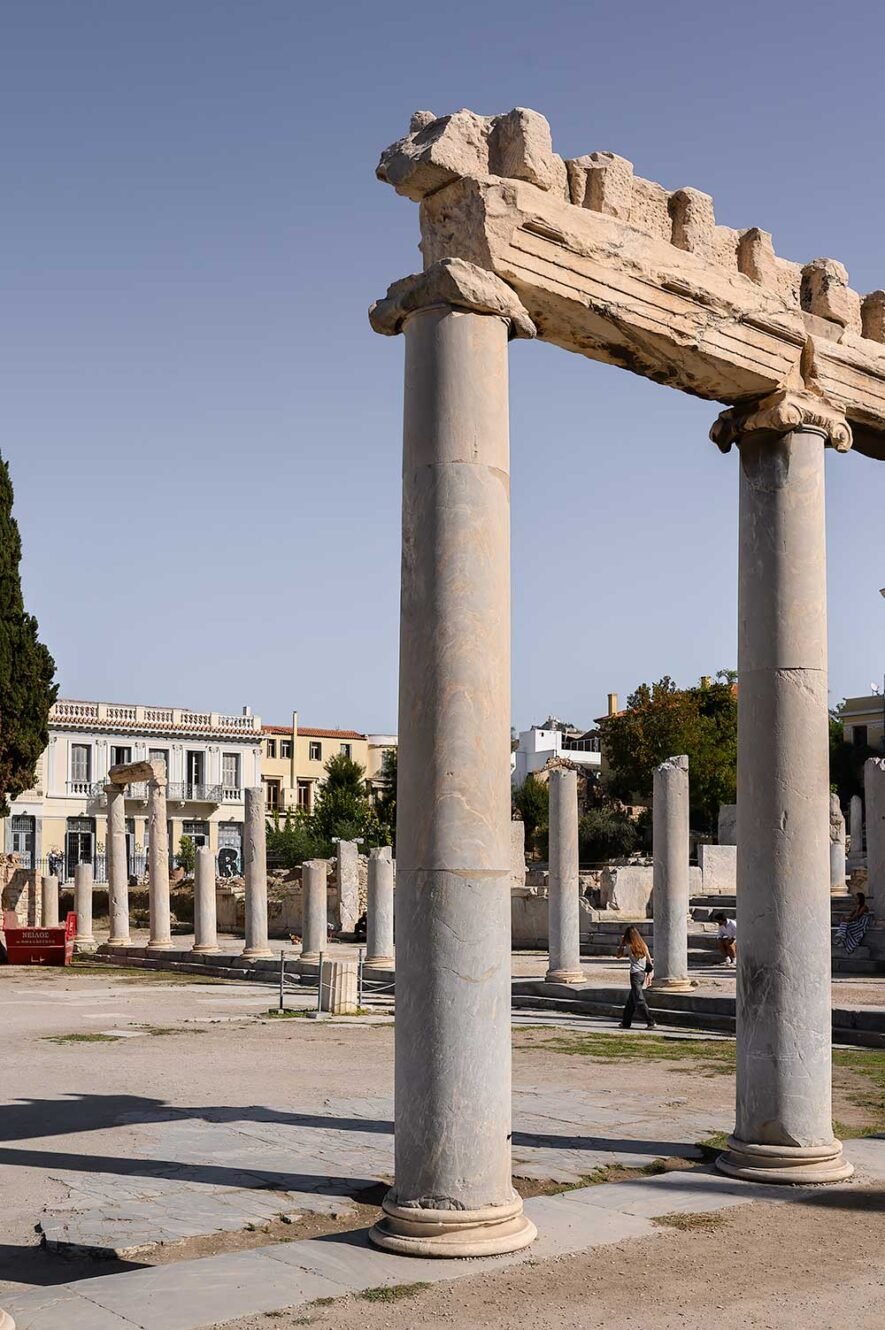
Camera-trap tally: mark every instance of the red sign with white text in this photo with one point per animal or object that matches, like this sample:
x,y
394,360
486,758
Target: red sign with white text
x,y
42,946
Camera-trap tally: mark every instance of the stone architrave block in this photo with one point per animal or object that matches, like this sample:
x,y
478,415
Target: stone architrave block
x,y
718,866
727,824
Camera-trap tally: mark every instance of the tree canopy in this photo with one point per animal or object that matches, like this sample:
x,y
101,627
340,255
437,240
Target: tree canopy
x,y
342,811
27,670
661,721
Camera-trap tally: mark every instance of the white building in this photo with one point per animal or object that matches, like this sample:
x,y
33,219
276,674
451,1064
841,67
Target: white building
x,y
210,760
539,744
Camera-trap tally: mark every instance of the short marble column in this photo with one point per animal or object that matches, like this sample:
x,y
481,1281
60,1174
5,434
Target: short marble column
x,y
118,878
348,856
453,1193
314,908
670,839
205,926
158,866
784,1128
837,848
84,940
564,890
379,909
49,893
874,798
255,855
856,853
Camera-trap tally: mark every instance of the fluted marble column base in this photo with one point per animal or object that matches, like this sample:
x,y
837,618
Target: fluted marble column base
x,y
565,977
492,1231
672,985
380,962
784,1163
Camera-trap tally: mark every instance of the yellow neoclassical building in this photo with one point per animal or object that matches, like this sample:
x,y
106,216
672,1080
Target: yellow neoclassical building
x,y
294,761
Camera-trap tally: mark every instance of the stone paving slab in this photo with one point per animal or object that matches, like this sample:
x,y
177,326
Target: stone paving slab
x,y
60,1308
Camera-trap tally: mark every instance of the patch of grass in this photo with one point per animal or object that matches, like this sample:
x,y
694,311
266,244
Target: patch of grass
x,y
90,1038
134,975
172,1029
859,1075
715,1143
287,1014
714,1055
393,1293
689,1221
322,1302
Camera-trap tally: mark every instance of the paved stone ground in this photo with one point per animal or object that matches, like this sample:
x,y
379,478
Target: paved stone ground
x,y
193,1116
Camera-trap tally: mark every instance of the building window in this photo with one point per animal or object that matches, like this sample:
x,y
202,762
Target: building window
x,y
198,832
230,771
159,755
304,795
120,756
22,828
859,736
346,749
272,795
286,748
79,843
316,752
271,747
81,762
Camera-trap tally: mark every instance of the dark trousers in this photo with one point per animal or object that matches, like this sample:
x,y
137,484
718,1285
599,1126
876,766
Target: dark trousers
x,y
636,1001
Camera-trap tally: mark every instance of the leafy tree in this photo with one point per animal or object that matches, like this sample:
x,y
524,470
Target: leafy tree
x,y
342,808
846,759
385,806
605,833
531,800
662,720
27,670
187,854
294,842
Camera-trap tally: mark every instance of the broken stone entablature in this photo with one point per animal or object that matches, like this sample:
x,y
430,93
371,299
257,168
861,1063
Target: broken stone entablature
x,y
616,267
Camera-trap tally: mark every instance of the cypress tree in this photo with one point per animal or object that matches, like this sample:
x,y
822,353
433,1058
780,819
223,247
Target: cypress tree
x,y
27,670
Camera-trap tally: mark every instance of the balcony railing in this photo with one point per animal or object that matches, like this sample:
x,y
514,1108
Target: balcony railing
x,y
181,791
125,716
187,791
581,746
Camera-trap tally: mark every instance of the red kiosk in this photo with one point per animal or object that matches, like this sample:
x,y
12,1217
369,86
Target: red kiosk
x,y
42,946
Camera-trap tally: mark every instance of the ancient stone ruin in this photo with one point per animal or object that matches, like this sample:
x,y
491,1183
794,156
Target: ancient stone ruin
x,y
586,254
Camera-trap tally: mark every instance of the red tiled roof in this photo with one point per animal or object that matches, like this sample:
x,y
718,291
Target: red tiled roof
x,y
313,734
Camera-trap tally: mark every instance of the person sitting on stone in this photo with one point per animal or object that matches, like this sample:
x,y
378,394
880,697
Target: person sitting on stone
x,y
641,971
727,936
850,933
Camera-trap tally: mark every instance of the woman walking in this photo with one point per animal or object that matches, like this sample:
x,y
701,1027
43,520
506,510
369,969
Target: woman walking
x,y
641,971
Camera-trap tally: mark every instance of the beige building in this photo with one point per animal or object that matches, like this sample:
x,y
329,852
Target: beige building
x,y
210,759
294,761
864,720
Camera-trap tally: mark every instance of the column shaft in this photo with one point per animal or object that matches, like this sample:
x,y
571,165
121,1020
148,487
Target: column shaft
x,y
453,1193
84,940
670,832
563,884
205,927
158,862
118,878
783,1129
314,908
50,902
255,854
874,797
379,909
856,856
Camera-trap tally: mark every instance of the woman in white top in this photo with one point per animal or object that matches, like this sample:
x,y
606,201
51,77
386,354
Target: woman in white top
x,y
727,936
641,971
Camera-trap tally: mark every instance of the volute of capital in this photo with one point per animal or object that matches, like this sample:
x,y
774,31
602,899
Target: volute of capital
x,y
457,284
798,403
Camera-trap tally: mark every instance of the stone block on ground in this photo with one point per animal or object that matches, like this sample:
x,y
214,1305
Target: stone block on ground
x,y
718,867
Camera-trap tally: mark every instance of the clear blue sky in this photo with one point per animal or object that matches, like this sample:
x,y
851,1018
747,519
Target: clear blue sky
x,y
204,434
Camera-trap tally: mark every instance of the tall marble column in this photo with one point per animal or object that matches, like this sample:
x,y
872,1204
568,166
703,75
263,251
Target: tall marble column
x,y
118,878
379,909
837,848
856,854
158,864
874,798
563,889
783,1130
255,855
314,908
84,940
49,895
670,838
205,926
453,1194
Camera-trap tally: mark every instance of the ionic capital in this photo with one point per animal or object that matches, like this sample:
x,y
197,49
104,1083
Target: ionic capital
x,y
799,403
457,284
